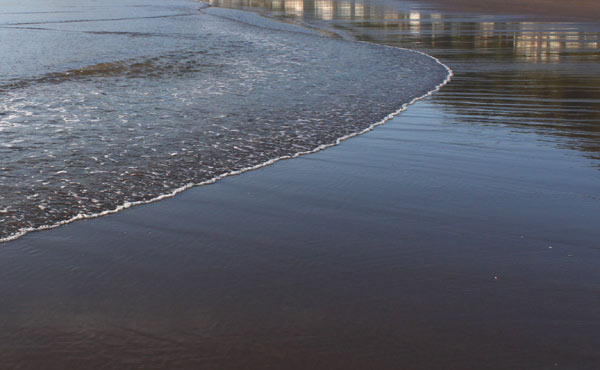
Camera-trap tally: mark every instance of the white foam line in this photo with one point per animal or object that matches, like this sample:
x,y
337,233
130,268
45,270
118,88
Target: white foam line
x,y
338,141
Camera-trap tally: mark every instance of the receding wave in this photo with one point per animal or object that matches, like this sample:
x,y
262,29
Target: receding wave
x,y
97,139
176,64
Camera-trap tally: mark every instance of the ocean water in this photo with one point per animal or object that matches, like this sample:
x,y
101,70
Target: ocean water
x,y
107,105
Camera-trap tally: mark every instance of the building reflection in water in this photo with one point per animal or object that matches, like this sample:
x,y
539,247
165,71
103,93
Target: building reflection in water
x,y
294,7
528,40
359,10
324,9
344,10
529,75
414,22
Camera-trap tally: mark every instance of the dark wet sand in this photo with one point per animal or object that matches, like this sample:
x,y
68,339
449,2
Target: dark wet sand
x,y
430,243
322,263
381,253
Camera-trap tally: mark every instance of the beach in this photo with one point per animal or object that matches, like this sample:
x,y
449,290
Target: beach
x,y
461,234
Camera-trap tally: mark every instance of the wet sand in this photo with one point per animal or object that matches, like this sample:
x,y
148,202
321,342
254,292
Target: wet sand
x,y
461,235
386,252
293,267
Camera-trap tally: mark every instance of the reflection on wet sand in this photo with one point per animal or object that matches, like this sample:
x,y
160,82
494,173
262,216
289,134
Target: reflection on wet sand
x,y
532,76
294,7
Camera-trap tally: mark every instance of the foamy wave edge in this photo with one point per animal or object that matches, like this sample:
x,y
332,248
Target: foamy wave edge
x,y
338,141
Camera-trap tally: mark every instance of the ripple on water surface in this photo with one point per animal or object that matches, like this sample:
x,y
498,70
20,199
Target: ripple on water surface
x,y
229,96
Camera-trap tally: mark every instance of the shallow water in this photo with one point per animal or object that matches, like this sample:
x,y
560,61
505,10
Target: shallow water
x,y
104,106
530,75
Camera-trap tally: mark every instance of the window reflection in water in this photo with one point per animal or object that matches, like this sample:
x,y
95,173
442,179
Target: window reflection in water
x,y
414,22
324,9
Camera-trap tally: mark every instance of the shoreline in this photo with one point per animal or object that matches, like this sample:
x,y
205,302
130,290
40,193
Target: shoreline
x,y
186,187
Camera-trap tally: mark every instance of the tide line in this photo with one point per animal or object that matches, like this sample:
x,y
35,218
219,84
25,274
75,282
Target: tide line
x,y
338,141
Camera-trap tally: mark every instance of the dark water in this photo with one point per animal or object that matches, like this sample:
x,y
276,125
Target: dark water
x,y
107,105
527,74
